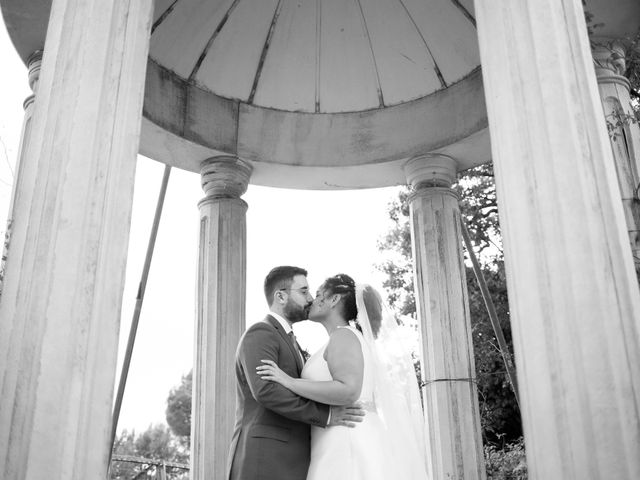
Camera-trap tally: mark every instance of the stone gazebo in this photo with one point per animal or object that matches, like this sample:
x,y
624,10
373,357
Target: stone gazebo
x,y
328,94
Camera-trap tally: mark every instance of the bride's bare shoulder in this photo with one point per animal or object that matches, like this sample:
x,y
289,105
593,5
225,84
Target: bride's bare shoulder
x,y
343,339
344,332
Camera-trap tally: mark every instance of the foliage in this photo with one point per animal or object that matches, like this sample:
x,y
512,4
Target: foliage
x,y
507,463
633,68
398,267
499,414
479,207
178,413
633,72
156,443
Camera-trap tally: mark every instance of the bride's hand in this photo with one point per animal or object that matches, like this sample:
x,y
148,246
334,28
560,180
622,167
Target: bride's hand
x,y
272,373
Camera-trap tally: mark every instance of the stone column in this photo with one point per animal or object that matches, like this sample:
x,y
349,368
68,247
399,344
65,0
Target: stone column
x,y
33,64
21,186
220,316
77,171
573,296
14,330
454,441
609,59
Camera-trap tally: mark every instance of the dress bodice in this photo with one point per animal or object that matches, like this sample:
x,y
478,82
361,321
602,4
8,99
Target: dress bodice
x,y
365,452
317,367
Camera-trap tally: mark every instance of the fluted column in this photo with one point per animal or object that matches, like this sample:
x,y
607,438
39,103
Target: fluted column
x,y
71,218
220,317
21,193
573,295
33,65
451,394
609,59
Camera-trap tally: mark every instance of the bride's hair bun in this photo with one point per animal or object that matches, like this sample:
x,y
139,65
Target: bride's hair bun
x,y
344,286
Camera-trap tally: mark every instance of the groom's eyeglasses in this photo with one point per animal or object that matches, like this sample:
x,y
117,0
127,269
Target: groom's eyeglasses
x,y
302,290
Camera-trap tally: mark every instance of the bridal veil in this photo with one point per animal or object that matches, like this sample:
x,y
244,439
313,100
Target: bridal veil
x,y
396,393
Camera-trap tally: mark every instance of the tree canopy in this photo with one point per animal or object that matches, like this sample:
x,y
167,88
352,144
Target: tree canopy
x,y
178,412
155,443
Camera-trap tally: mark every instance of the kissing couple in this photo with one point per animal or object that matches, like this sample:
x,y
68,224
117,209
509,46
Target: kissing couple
x,y
350,412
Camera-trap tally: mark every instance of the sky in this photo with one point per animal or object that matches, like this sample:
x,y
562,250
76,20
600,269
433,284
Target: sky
x,y
326,233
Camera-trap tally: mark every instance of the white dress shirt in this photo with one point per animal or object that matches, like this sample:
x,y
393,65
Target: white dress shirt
x,y
282,321
287,330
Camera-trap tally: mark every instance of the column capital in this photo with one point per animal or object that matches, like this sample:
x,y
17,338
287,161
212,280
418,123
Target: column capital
x,y
34,63
225,176
28,101
430,170
609,58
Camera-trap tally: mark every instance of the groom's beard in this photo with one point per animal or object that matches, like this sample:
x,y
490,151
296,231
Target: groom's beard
x,y
295,313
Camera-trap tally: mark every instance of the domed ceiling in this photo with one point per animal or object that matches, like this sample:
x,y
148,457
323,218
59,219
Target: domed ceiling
x,y
320,94
317,55
315,93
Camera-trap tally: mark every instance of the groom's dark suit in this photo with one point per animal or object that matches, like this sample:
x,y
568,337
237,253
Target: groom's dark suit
x,y
271,440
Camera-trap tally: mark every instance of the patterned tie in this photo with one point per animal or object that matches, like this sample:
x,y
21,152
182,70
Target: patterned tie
x,y
295,344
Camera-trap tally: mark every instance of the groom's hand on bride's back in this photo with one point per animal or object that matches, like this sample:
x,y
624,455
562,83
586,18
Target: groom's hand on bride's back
x,y
346,415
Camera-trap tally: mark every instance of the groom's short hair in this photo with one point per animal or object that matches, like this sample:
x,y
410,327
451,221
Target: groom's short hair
x,y
280,278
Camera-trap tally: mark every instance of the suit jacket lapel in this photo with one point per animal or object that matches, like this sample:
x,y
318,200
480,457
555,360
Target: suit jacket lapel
x,y
294,348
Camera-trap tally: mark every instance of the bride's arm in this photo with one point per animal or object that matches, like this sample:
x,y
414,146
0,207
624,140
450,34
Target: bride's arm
x,y
346,365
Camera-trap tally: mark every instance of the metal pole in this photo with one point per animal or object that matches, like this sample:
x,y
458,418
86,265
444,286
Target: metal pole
x,y
493,315
163,471
138,307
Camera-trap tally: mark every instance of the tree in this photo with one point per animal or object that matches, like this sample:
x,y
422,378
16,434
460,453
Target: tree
x,y
156,443
178,413
499,413
500,417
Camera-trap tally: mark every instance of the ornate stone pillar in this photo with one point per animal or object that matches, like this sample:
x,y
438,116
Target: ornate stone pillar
x,y
22,187
33,64
220,317
609,59
573,295
71,220
14,330
451,394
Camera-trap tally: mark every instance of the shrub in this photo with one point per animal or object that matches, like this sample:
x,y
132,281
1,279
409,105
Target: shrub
x,y
508,463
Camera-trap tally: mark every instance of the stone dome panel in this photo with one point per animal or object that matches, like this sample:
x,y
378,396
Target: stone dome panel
x,y
320,56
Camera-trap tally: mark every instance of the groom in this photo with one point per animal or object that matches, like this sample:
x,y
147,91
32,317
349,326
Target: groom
x,y
271,439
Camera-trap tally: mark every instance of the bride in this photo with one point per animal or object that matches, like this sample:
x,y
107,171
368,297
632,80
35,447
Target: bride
x,y
363,361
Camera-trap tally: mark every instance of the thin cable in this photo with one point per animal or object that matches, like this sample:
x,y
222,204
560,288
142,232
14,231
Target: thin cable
x,y
493,314
429,382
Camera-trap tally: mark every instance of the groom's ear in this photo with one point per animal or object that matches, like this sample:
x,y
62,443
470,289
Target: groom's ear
x,y
278,297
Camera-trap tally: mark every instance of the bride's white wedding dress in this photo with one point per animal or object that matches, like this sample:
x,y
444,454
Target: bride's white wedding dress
x,y
342,453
